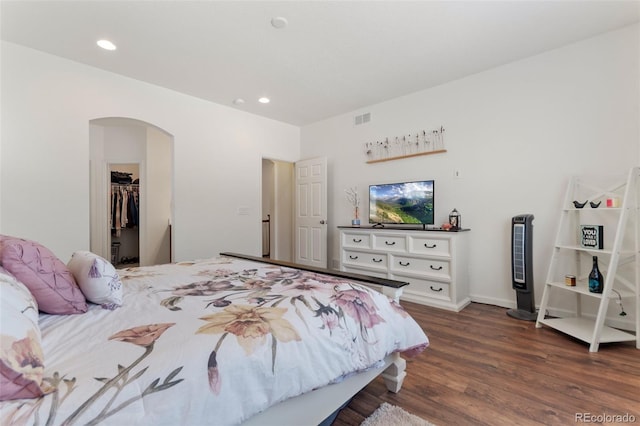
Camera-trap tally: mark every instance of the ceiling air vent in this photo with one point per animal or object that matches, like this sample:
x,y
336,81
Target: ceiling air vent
x,y
361,119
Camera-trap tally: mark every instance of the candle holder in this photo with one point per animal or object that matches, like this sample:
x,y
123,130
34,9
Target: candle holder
x,y
455,220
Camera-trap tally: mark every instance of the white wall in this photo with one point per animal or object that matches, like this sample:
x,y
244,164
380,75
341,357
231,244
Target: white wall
x,y
47,103
277,201
283,225
159,195
268,205
516,133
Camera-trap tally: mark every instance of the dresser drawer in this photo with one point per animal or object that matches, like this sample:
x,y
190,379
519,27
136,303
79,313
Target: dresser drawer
x,y
355,239
425,288
390,243
429,245
425,267
365,260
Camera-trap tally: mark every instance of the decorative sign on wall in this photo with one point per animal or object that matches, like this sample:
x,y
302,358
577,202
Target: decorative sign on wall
x,y
420,143
591,236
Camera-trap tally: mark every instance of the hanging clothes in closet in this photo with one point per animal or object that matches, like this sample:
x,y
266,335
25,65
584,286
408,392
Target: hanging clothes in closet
x,y
125,207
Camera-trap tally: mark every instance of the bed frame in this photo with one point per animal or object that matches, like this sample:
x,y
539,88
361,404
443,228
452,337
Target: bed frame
x,y
314,407
390,288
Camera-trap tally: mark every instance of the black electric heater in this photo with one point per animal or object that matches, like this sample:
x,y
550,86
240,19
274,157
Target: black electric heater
x,y
522,267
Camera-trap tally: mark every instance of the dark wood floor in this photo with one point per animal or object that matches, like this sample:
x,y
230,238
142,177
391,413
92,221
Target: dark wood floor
x,y
486,368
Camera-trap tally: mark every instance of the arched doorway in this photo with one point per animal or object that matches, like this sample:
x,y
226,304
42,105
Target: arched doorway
x,y
144,152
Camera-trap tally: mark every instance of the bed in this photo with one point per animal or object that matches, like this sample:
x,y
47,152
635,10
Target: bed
x,y
227,340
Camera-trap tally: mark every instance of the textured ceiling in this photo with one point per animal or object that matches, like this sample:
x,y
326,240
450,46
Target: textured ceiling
x,y
332,58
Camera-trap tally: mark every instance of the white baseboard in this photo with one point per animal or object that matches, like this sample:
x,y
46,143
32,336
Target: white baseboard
x,y
494,301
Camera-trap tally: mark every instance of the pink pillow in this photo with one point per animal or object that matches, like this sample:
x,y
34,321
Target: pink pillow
x,y
46,277
21,358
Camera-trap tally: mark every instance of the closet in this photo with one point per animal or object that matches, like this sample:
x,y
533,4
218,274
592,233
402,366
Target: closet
x,y
139,157
124,214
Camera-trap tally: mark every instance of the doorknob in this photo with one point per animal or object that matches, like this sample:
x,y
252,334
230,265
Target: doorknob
x,y
322,222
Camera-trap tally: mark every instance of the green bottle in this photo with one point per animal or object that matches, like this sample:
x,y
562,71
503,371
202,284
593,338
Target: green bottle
x,y
596,280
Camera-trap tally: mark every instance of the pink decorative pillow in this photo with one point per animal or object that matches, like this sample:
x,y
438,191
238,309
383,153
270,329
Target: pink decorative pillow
x,y
21,358
97,278
46,277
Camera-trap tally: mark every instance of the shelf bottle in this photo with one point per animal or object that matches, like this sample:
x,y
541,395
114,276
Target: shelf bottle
x,y
596,280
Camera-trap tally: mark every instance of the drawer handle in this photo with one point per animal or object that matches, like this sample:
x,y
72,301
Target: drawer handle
x,y
393,243
404,264
357,241
428,246
435,269
377,260
435,289
353,257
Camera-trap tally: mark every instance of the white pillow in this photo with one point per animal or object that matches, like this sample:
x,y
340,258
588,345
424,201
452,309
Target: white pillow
x,y
97,279
21,356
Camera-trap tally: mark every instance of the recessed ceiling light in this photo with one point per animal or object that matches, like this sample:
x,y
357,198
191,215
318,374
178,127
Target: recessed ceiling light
x,y
279,22
106,44
264,100
238,101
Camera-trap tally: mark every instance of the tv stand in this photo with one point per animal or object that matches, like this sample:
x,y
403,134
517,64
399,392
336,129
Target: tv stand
x,y
378,225
433,262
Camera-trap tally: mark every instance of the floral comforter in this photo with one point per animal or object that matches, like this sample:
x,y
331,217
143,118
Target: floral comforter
x,y
210,342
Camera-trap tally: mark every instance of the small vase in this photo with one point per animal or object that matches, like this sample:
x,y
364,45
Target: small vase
x,y
356,221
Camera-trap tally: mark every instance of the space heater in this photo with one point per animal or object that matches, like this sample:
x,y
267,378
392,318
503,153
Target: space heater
x,y
522,267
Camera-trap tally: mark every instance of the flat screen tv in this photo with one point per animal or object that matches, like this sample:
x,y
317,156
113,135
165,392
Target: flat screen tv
x,y
402,203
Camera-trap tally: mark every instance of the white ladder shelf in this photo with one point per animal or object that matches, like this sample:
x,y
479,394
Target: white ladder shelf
x,y
618,259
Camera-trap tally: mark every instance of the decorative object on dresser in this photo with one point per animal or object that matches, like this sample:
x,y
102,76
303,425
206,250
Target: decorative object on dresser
x,y
433,262
455,220
354,200
618,255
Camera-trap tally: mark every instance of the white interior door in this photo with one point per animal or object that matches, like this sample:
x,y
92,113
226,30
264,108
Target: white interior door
x,y
311,212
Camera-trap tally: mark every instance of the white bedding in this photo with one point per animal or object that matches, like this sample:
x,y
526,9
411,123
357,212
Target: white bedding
x,y
210,342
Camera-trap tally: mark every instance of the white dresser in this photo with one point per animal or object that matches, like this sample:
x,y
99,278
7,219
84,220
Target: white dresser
x,y
433,262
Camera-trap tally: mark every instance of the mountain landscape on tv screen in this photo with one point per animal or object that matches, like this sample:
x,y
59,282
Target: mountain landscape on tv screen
x,y
402,204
